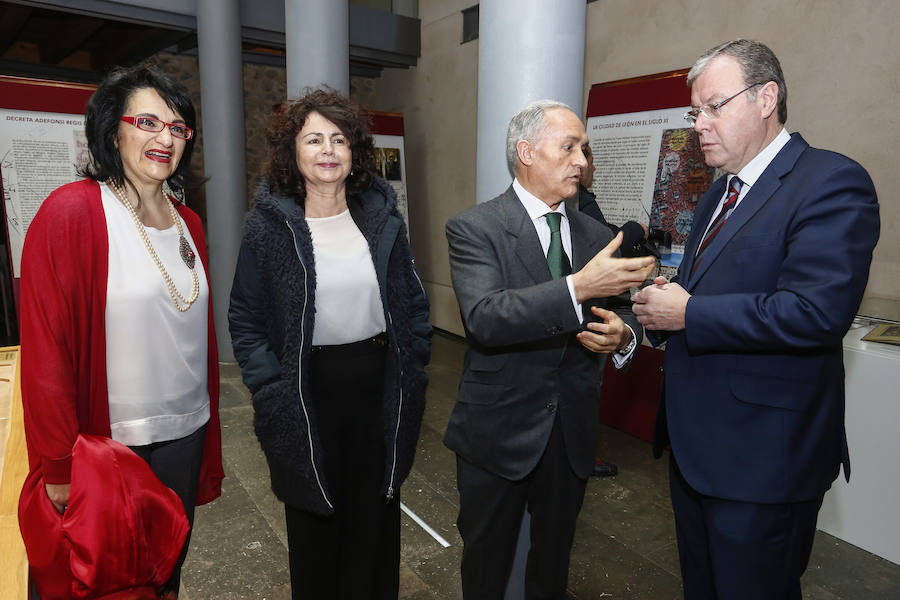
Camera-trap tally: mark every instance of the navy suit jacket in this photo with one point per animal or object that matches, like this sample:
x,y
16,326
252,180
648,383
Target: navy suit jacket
x,y
753,397
524,366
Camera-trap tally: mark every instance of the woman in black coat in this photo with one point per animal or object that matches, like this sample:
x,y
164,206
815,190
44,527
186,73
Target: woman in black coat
x,y
329,323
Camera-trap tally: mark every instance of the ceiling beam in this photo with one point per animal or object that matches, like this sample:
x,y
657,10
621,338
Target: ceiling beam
x,y
67,37
129,43
30,69
12,20
165,38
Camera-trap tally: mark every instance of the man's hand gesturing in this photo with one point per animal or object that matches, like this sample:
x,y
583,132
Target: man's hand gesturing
x,y
605,275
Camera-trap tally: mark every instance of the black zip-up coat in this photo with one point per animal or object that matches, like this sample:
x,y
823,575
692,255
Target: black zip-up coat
x,y
271,319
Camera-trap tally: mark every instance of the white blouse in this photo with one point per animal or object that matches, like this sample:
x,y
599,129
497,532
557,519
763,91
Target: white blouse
x,y
156,356
348,301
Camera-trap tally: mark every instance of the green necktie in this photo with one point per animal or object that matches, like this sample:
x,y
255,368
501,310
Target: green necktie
x,y
556,256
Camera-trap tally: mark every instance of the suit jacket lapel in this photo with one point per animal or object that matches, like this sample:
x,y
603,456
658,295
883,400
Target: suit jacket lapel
x,y
701,219
749,205
584,244
764,188
528,245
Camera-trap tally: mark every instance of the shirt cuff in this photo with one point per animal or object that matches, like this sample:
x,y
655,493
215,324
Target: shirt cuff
x,y
579,312
619,359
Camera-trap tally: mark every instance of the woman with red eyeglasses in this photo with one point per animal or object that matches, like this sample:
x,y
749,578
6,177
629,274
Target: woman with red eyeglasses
x,y
116,322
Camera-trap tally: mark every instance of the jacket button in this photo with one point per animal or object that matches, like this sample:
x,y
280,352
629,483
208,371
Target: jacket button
x,y
551,408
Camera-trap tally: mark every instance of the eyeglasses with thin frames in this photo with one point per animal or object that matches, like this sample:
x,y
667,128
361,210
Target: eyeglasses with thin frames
x,y
155,125
712,111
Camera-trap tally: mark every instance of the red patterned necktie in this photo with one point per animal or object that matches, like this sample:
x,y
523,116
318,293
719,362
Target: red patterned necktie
x,y
734,190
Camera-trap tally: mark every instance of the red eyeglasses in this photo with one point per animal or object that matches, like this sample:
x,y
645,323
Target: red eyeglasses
x,y
155,125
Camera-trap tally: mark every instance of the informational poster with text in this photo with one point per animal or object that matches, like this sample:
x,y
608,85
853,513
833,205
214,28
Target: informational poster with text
x,y
649,169
39,151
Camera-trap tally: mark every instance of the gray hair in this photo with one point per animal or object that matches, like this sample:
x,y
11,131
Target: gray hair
x,y
758,63
528,125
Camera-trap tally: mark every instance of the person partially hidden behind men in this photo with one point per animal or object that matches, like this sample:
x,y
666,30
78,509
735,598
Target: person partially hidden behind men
x,y
525,423
633,233
773,273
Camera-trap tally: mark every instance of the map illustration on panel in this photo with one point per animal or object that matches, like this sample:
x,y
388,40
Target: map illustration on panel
x,y
681,179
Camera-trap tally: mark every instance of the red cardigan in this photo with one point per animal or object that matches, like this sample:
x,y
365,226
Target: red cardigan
x,y
63,354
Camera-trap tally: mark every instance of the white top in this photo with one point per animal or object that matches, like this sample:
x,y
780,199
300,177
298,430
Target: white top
x,y
348,301
537,210
752,171
156,356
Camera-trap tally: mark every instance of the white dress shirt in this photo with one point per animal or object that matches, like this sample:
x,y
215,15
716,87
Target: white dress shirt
x,y
537,209
752,171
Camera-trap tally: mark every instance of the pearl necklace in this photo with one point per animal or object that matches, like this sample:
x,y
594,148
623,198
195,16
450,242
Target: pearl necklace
x,y
181,303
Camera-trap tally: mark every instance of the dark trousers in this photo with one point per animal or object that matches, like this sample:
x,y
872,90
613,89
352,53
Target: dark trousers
x,y
733,550
354,553
177,465
490,514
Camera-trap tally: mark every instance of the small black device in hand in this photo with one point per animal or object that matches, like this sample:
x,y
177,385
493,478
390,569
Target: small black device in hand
x,y
657,241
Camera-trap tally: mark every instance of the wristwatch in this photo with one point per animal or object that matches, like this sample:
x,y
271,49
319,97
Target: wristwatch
x,y
629,347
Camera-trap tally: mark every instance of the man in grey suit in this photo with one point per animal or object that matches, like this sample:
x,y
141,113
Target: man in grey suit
x,y
524,426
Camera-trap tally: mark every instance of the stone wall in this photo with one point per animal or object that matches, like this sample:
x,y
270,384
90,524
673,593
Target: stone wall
x,y
264,88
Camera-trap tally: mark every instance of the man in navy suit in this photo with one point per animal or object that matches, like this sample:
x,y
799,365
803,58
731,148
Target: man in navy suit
x,y
773,273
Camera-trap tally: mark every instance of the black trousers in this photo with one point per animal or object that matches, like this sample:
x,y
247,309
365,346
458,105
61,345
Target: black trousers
x,y
355,553
732,550
177,465
490,515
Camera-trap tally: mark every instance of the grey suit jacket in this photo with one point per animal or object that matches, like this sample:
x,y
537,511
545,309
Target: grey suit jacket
x,y
523,364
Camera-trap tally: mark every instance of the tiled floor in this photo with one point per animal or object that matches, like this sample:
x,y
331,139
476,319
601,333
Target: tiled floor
x,y
624,547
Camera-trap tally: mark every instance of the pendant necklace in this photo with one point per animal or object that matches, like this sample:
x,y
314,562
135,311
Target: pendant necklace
x,y
187,254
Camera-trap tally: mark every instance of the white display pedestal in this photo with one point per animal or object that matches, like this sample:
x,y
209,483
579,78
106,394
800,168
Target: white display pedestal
x,y
866,511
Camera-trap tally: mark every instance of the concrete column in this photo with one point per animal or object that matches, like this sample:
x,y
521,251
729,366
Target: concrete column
x,y
317,43
222,97
407,8
527,50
